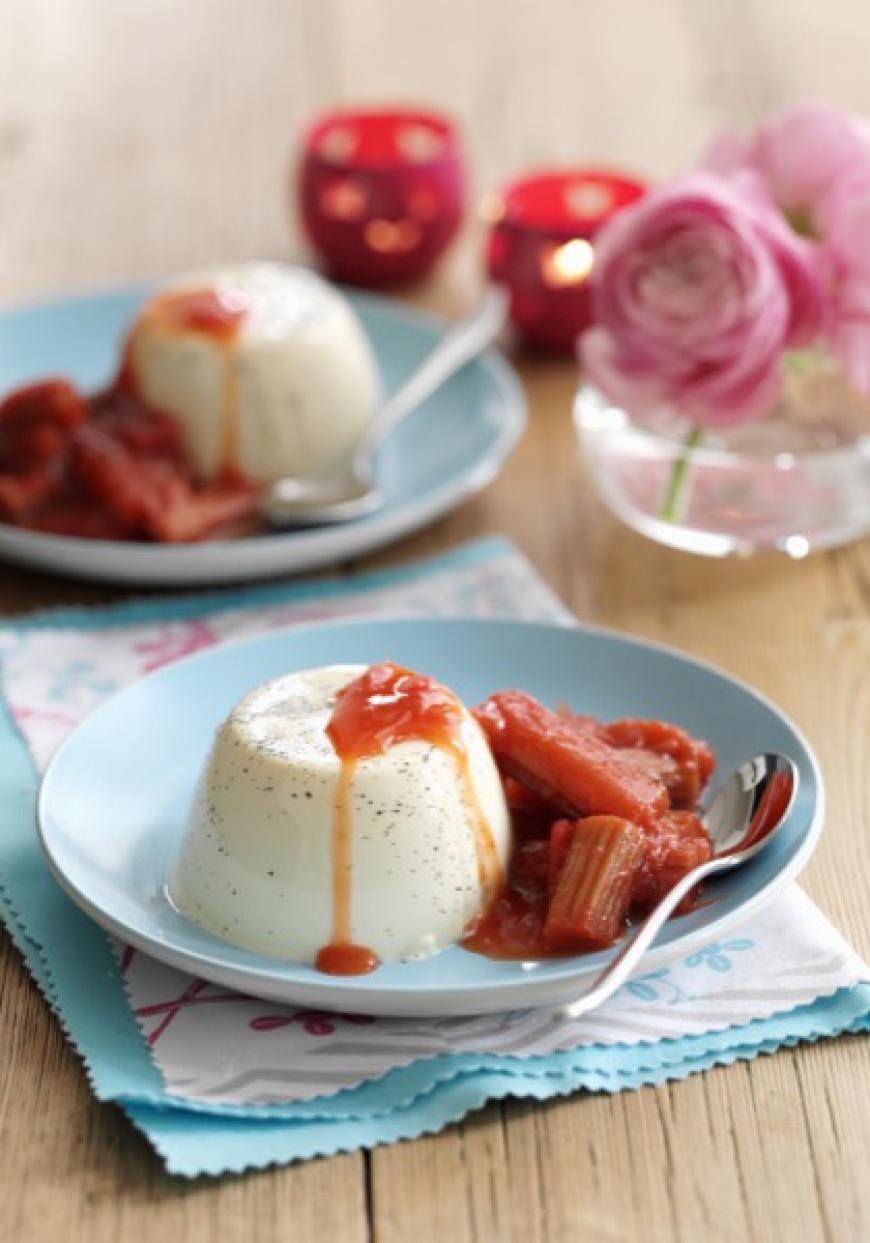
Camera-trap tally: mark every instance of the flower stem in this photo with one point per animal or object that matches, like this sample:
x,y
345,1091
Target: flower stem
x,y
674,503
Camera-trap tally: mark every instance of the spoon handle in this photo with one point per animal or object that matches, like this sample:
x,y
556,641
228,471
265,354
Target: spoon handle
x,y
621,967
464,341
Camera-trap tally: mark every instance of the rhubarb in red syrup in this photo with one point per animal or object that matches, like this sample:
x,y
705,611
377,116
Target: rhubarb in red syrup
x,y
631,833
571,768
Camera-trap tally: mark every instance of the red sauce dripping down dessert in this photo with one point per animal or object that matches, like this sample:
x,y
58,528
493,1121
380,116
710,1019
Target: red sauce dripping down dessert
x,y
345,814
217,314
389,705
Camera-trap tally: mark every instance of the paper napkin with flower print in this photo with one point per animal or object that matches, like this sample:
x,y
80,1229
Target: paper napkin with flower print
x,y
218,1081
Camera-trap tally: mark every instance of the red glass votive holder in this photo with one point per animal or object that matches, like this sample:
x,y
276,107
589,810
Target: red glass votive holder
x,y
540,247
381,192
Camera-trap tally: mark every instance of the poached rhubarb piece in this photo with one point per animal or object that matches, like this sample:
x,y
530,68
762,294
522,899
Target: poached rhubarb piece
x,y
560,840
29,415
684,764
149,493
531,814
675,845
571,768
36,425
106,468
590,903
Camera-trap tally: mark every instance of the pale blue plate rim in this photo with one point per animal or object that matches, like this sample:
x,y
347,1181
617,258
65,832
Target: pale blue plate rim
x,y
212,958
273,552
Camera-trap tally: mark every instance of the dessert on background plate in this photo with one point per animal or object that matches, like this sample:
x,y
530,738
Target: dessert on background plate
x,y
264,367
452,446
230,378
352,815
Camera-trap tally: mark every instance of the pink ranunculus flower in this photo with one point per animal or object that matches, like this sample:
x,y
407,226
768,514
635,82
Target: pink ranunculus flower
x,y
812,161
799,156
697,291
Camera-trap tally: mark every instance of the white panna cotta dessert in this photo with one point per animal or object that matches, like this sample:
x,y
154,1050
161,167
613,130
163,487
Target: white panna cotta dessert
x,y
293,847
264,366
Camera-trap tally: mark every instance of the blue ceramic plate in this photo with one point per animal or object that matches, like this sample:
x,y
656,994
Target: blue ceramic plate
x,y
447,450
114,799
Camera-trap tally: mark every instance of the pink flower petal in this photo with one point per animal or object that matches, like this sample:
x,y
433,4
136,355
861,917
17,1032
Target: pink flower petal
x,y
803,150
698,289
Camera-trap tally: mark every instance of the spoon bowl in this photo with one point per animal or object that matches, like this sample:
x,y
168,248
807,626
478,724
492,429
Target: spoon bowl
x,y
750,807
320,502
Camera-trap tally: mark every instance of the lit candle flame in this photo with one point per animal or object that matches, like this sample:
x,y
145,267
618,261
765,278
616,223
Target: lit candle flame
x,y
568,264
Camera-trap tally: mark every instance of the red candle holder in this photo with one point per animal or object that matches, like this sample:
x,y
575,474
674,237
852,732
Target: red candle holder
x,y
540,247
381,193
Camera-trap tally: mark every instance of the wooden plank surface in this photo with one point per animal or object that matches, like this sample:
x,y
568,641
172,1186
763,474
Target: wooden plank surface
x,y
137,139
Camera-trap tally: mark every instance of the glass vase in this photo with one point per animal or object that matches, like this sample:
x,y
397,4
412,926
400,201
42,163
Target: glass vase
x,y
795,481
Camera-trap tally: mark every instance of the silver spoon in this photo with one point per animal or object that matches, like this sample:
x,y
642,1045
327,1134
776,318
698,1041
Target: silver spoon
x,y
748,810
310,502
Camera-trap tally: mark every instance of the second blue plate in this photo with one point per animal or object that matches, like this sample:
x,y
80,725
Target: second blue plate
x,y
450,448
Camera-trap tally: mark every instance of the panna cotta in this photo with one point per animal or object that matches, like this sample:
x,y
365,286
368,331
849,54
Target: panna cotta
x,y
264,367
346,816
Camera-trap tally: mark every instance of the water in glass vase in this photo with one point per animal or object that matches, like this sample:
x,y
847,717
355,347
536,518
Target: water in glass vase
x,y
795,481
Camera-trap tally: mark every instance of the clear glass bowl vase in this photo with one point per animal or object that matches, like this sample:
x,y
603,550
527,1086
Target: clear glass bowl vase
x,y
795,481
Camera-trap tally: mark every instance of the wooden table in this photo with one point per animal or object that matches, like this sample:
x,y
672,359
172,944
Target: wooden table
x,y
140,139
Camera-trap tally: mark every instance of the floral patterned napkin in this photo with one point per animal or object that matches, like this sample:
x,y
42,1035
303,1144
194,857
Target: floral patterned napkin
x,y
220,1081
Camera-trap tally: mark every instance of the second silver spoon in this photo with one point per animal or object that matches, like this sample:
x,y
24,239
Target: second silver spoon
x,y
315,502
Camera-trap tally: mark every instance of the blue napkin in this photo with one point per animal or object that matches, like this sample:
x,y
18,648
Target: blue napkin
x,y
74,965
